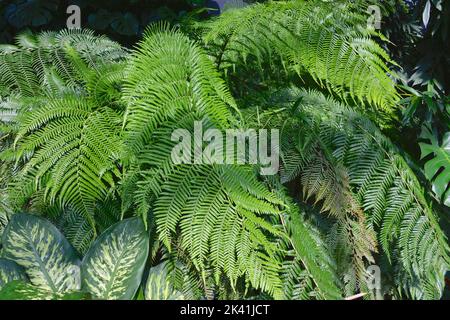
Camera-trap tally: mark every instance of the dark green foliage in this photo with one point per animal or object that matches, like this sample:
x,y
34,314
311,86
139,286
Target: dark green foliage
x,y
353,173
437,169
122,20
420,43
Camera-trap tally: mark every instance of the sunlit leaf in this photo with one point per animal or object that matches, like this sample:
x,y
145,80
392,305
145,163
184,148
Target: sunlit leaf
x,y
49,260
112,268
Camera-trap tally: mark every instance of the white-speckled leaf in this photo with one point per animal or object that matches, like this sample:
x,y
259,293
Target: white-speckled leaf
x,y
112,268
49,260
19,290
158,286
10,271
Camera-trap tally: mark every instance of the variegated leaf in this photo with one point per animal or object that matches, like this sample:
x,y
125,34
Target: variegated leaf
x,y
10,271
19,290
112,268
49,260
159,287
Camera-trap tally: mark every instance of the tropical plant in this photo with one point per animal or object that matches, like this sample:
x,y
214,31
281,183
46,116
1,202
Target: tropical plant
x,y
355,174
419,42
42,260
335,51
159,286
88,148
440,159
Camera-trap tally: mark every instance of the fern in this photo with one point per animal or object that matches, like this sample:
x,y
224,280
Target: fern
x,y
40,63
216,211
384,187
79,161
322,40
169,74
68,135
207,208
86,140
351,241
304,252
76,228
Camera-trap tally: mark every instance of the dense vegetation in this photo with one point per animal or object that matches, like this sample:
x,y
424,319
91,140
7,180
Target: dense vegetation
x,y
92,206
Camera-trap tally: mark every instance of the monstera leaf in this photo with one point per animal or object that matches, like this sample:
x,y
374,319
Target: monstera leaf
x,y
112,268
159,287
49,260
126,24
10,271
437,170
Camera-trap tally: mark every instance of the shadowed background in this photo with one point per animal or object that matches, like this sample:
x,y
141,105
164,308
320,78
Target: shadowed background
x,y
123,21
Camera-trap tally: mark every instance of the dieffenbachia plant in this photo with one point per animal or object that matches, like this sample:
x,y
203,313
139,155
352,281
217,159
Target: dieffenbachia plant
x,y
39,263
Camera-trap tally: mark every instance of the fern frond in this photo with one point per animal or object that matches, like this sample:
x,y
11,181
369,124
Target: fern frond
x,y
170,83
68,113
310,248
323,40
42,62
166,75
76,143
385,188
77,229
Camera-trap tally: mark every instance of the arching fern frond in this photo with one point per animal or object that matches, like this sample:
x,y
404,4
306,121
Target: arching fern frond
x,y
167,74
327,41
75,143
307,253
41,62
383,185
217,214
351,240
69,115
